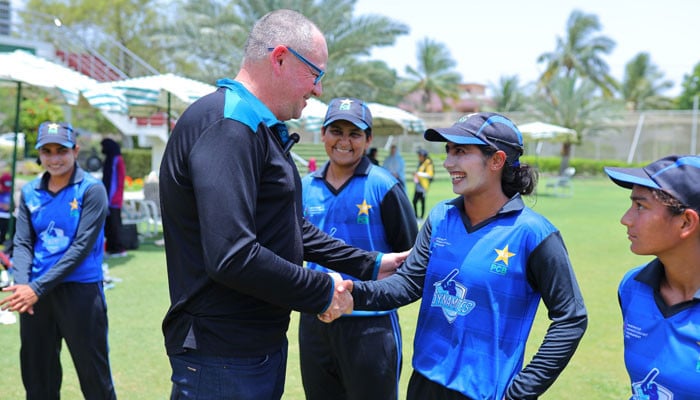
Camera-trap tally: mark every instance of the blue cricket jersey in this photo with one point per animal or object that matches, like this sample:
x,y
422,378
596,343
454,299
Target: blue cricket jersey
x,y
54,220
355,214
662,344
480,287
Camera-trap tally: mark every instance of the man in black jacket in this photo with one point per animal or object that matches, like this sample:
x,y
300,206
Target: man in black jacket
x,y
235,236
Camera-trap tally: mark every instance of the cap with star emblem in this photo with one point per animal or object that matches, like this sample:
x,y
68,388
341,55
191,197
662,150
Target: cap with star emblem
x,y
349,109
56,132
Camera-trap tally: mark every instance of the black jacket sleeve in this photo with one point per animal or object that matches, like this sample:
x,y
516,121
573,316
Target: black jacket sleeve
x,y
323,249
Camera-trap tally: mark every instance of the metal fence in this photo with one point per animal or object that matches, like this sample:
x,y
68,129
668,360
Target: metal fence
x,y
635,137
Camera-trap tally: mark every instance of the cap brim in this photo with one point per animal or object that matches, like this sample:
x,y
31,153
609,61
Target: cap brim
x,y
451,135
628,177
355,121
63,143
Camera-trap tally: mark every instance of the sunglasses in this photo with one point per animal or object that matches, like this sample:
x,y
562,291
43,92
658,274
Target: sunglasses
x,y
318,72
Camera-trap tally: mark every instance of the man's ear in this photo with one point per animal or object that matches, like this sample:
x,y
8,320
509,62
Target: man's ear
x,y
276,56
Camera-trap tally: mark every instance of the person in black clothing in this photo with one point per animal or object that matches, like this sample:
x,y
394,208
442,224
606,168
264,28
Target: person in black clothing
x,y
372,155
113,175
235,236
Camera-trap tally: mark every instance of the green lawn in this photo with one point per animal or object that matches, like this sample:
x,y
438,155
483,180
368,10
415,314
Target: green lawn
x,y
589,221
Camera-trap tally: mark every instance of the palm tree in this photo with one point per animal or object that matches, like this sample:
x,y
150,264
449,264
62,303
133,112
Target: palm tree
x,y
434,77
643,83
205,41
580,53
572,103
210,35
508,95
691,89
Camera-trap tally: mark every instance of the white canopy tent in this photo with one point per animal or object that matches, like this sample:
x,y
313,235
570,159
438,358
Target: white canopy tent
x,y
388,120
538,131
158,90
541,132
20,67
143,96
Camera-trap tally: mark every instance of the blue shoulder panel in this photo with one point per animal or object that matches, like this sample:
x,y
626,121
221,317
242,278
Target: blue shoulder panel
x,y
244,107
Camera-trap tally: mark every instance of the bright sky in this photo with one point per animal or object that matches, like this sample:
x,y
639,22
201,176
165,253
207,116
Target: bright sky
x,y
493,38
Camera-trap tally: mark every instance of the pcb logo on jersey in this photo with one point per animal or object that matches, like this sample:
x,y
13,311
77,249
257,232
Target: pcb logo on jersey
x,y
363,212
450,295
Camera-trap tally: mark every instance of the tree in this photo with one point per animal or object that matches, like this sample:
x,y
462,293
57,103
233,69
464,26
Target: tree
x,y
34,111
508,95
434,75
580,53
643,83
208,37
203,39
572,103
105,26
691,89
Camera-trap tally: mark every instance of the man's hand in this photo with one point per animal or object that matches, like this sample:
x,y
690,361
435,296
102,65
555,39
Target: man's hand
x,y
21,300
342,302
391,262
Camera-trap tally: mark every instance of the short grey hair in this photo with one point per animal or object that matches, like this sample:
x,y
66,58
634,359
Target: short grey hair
x,y
280,27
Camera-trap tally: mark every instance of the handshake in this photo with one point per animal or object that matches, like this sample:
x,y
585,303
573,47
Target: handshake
x,y
342,302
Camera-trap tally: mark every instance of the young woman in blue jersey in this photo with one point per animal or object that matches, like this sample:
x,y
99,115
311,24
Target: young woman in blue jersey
x,y
660,301
481,263
57,256
357,357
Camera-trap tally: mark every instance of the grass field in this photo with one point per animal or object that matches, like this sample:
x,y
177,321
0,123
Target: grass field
x,y
589,222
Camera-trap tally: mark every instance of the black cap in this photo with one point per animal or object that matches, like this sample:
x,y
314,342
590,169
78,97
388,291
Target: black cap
x,y
676,175
56,132
482,129
349,109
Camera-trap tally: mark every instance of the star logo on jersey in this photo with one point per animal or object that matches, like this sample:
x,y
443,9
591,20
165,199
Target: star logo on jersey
x,y
364,208
74,207
503,255
500,264
647,388
363,213
450,295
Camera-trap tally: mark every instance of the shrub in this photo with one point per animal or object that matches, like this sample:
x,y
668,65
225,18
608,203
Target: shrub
x,y
138,162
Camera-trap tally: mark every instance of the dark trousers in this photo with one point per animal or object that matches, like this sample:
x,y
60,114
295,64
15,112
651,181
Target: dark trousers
x,y
419,197
352,358
76,313
205,377
421,388
4,224
113,231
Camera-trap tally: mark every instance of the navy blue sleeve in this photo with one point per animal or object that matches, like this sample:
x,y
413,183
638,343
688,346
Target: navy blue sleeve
x,y
550,273
399,219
